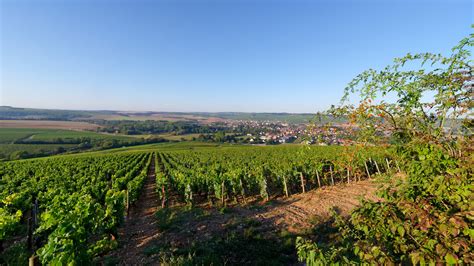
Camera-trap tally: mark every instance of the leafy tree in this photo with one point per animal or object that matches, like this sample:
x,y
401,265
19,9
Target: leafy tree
x,y
19,155
427,211
219,136
59,150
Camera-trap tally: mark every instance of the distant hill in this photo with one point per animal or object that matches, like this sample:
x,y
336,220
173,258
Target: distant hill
x,y
9,113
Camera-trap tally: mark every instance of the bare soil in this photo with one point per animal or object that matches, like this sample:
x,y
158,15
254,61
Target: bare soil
x,y
140,227
303,210
294,214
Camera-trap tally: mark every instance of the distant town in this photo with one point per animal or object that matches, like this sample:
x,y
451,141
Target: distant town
x,y
243,128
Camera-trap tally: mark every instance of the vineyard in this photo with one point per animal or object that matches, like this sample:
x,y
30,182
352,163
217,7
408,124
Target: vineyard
x,y
68,209
220,176
209,133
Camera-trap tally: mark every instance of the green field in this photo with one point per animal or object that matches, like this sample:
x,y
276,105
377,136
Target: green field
x,y
18,143
9,135
43,142
33,148
68,134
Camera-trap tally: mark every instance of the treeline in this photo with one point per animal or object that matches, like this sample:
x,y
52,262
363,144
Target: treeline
x,y
218,137
158,127
237,138
31,153
178,127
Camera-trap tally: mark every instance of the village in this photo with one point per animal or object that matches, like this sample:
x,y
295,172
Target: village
x,y
277,132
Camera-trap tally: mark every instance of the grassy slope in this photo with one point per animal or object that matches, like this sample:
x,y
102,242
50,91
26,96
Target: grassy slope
x,y
9,135
65,134
33,148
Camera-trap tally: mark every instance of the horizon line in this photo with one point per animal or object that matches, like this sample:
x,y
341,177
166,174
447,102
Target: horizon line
x,y
155,111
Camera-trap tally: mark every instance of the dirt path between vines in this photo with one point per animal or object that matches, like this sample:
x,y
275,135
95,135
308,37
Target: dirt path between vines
x,y
294,214
141,234
140,228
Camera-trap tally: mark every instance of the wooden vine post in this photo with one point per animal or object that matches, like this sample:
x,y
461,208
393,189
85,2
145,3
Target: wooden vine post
x,y
32,221
243,190
285,187
377,166
332,177
33,261
319,180
388,163
302,182
367,169
263,190
163,197
222,193
398,167
348,176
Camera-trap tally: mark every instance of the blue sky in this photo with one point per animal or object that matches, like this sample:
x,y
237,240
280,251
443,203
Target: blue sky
x,y
249,56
